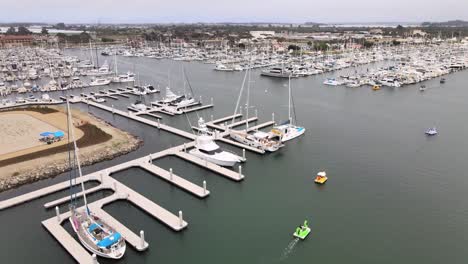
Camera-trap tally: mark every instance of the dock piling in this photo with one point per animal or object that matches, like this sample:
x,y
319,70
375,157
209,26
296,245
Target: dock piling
x,y
181,219
256,112
211,100
240,171
101,178
185,148
204,187
170,174
57,211
200,99
115,186
159,124
150,159
112,109
273,117
243,154
142,239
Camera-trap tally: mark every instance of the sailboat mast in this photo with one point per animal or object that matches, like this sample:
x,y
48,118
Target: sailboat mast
x,y
289,101
115,64
75,148
91,52
248,99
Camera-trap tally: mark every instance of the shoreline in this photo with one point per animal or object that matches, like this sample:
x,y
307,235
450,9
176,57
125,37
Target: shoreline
x,y
119,143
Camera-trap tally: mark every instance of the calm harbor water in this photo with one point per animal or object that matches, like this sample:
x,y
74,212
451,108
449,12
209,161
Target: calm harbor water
x,y
393,195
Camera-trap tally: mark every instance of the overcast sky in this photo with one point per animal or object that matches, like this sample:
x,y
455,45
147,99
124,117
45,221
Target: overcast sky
x,y
157,11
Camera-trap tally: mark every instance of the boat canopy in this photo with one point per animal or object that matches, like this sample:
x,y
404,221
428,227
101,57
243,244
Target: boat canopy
x,y
93,227
110,240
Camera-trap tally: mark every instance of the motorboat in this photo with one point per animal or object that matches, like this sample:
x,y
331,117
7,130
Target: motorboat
x,y
99,82
222,67
332,82
303,231
138,106
321,177
422,88
376,87
278,73
183,101
207,149
20,100
431,131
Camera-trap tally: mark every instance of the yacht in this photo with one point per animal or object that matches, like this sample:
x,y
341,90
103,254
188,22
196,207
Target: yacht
x,y
207,149
331,81
222,67
99,82
278,73
138,106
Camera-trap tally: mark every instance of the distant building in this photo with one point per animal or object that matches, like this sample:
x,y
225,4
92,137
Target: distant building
x,y
7,41
262,34
376,31
418,32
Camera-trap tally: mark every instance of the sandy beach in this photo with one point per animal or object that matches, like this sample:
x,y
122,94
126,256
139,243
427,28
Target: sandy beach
x,y
23,158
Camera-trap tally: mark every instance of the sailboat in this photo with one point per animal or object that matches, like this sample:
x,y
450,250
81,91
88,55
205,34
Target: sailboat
x,y
122,78
288,130
94,234
259,140
185,99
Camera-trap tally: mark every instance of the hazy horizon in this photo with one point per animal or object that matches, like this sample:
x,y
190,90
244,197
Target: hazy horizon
x,y
241,11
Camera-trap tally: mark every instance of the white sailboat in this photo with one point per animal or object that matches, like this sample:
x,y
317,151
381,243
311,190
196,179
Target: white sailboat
x,y
288,130
259,139
94,234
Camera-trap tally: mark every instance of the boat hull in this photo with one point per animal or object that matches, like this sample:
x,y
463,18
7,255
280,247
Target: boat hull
x,y
224,163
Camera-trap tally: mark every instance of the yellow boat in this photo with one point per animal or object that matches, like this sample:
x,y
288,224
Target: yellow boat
x,y
376,87
321,177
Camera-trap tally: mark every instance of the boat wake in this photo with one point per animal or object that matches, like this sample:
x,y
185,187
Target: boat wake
x,y
288,250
